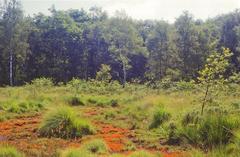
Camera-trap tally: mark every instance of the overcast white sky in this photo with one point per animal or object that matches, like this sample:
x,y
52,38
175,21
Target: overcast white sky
x,y
140,9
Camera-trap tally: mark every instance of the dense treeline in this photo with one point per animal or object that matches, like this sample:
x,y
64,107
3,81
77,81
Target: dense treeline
x,y
75,43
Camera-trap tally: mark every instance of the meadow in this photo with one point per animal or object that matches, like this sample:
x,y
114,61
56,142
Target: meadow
x,y
93,118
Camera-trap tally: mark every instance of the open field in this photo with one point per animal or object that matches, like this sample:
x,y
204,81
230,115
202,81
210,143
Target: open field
x,y
122,119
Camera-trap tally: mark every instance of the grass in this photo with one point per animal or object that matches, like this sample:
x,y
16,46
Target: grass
x,y
8,151
160,116
143,154
134,108
64,122
76,153
96,146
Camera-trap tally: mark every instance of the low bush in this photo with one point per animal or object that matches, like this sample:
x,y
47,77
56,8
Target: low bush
x,y
96,146
63,122
42,82
159,117
183,85
8,151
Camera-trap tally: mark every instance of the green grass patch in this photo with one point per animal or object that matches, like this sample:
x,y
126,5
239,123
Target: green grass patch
x,y
8,151
64,122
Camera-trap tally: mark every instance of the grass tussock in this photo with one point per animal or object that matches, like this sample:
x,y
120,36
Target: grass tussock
x,y
210,130
64,122
96,146
159,117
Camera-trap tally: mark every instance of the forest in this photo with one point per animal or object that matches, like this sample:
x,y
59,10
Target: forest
x,y
83,83
75,43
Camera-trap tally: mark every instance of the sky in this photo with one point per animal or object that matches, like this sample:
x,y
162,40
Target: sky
x,y
167,10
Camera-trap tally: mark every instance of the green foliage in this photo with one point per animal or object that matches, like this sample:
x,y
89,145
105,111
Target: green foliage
x,y
183,85
8,151
96,146
159,117
63,122
212,75
104,74
42,82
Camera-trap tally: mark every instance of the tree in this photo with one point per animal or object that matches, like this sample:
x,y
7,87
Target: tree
x,y
187,45
157,44
124,41
212,75
14,38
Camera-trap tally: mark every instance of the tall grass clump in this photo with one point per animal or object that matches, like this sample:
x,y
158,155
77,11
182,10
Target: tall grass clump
x,y
63,122
159,117
211,129
8,151
96,146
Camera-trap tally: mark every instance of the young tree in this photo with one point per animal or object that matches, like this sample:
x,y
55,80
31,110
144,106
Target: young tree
x,y
212,75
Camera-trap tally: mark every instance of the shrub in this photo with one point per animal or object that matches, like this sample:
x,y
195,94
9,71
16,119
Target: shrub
x,y
76,153
76,84
63,122
159,117
143,154
7,151
42,82
75,101
183,85
104,74
97,146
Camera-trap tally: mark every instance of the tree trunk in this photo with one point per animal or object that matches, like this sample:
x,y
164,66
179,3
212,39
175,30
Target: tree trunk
x,y
11,68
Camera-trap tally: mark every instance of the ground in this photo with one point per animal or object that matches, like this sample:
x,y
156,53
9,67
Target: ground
x,y
121,117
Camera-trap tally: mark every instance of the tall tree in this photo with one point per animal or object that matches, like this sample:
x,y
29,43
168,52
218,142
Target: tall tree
x,y
124,41
157,44
187,45
14,38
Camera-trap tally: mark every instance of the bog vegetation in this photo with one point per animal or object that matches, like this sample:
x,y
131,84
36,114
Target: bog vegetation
x,y
79,83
